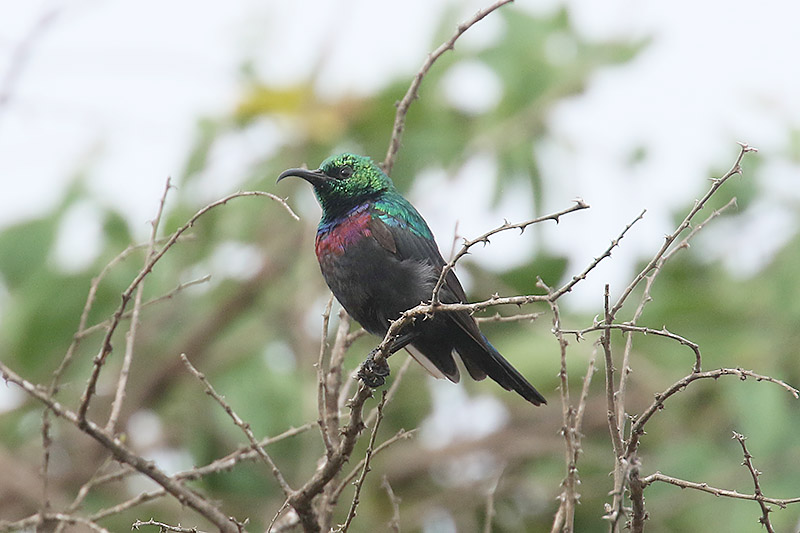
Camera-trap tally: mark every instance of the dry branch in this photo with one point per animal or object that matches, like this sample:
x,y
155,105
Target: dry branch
x,y
413,91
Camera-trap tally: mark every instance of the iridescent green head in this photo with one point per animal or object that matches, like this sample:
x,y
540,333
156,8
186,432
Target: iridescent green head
x,y
343,181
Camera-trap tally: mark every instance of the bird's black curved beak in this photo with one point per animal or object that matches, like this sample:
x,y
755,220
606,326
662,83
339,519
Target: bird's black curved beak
x,y
314,177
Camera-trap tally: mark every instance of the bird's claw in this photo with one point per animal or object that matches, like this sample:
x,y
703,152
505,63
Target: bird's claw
x,y
373,373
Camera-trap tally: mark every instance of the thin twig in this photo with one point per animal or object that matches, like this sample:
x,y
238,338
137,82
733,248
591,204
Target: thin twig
x,y
222,464
669,239
579,333
244,426
126,315
394,523
646,298
705,487
106,346
413,91
626,466
359,484
333,380
21,53
637,430
301,499
490,497
125,455
122,382
34,521
272,527
86,487
755,474
321,383
638,513
497,317
521,226
611,407
565,517
596,261
163,528
400,435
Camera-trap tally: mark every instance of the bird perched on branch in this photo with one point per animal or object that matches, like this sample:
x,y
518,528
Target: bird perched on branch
x,y
379,259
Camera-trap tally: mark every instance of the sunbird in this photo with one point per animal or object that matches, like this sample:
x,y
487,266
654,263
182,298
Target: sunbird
x,y
379,258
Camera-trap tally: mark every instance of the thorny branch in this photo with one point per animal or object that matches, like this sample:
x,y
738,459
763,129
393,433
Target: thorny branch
x,y
626,460
625,370
123,454
106,346
579,334
716,183
351,514
245,427
755,474
521,226
413,91
705,487
105,436
130,338
164,527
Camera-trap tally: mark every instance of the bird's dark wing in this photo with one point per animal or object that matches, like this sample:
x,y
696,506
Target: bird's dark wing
x,y
409,238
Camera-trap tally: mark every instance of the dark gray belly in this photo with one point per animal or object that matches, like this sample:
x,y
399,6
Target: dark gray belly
x,y
374,286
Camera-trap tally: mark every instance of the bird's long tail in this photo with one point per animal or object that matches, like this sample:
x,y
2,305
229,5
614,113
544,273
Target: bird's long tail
x,y
481,359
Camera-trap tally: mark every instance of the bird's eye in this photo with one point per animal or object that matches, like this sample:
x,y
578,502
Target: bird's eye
x,y
345,172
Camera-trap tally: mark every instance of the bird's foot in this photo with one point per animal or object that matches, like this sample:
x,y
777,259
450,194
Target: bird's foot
x,y
373,373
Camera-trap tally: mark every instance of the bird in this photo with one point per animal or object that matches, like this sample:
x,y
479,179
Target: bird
x,y
379,258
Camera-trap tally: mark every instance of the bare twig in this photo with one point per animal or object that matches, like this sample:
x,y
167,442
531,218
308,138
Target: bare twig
x,y
646,298
497,317
755,474
122,382
413,91
638,513
163,528
244,426
400,435
26,524
21,53
579,333
669,239
125,455
596,261
705,487
637,430
351,513
321,382
106,346
394,523
565,516
219,465
605,341
521,226
289,520
490,496
335,398
301,499
82,333
626,466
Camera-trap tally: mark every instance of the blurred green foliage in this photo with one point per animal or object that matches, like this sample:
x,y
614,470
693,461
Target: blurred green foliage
x,y
256,336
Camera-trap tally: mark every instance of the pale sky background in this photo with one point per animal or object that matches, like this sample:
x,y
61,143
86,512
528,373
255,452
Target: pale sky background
x,y
114,89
